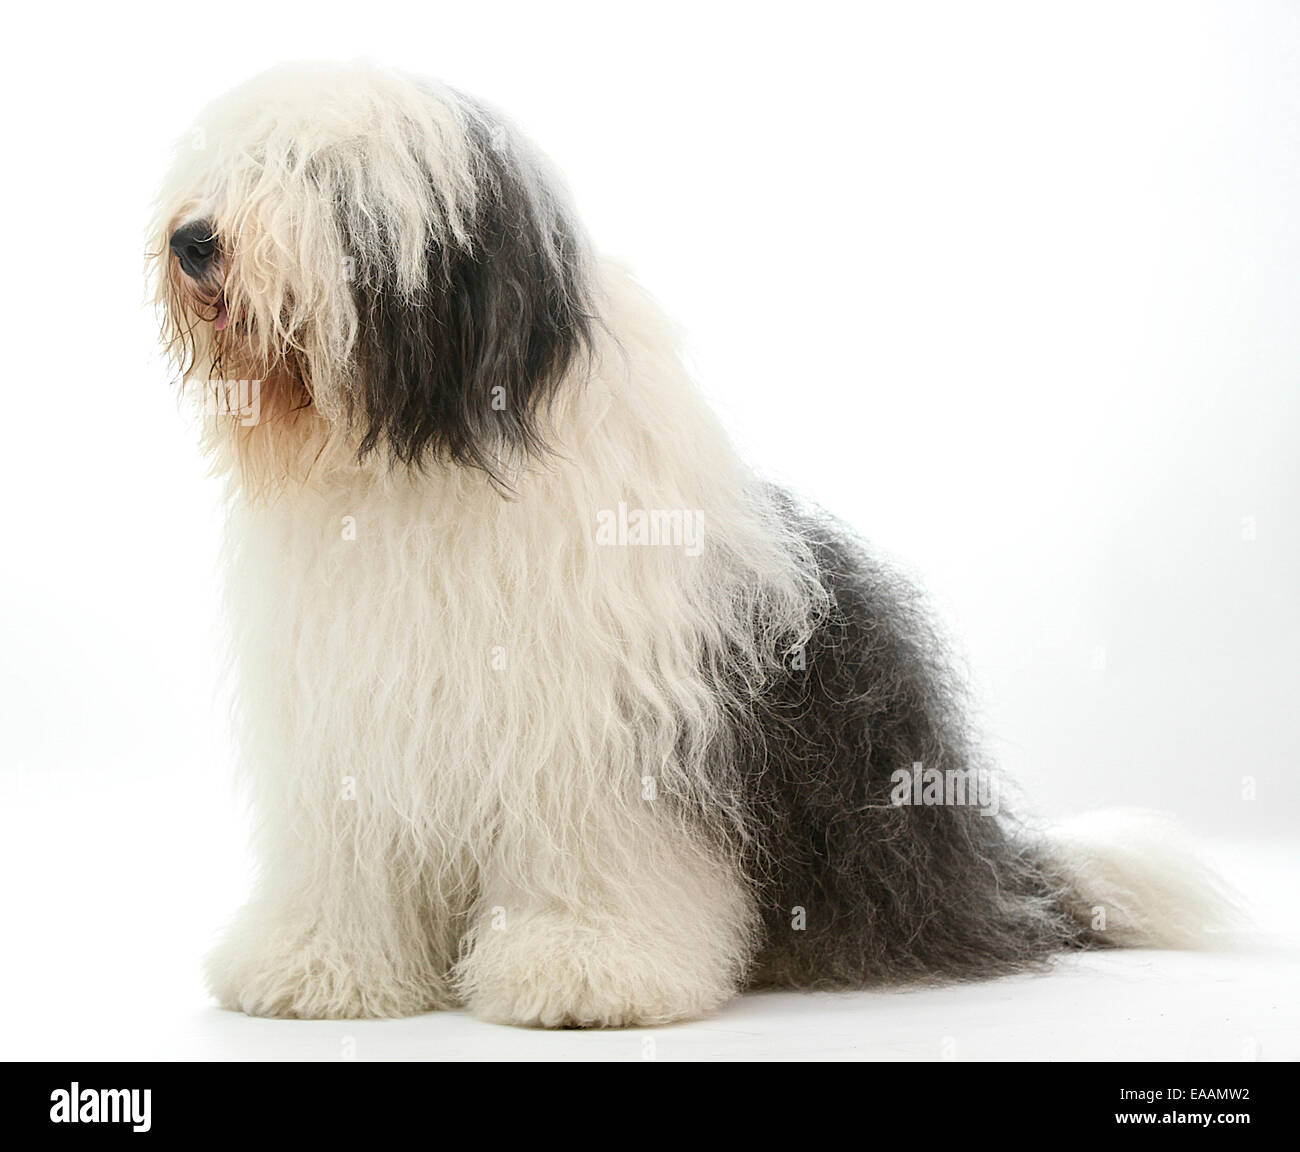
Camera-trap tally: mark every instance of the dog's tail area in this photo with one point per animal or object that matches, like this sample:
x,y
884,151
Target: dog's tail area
x,y
1130,879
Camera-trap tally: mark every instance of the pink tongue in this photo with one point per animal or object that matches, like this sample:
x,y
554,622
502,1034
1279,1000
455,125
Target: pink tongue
x,y
222,317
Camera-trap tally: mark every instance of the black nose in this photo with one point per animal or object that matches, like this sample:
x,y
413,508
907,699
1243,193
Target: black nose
x,y
195,245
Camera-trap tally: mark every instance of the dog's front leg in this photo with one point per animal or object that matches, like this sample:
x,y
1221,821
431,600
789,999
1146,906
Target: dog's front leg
x,y
340,928
624,920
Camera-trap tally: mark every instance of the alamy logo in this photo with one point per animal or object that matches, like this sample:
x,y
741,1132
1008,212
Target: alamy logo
x,y
77,1105
240,399
955,787
653,527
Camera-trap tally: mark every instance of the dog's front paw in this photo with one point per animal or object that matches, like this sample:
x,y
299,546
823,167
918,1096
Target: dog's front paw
x,y
549,971
299,972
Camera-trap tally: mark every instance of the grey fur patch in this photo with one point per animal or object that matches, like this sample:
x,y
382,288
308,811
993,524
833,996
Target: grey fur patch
x,y
853,889
462,370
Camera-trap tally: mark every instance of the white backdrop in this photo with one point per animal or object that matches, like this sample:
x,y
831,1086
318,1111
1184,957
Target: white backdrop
x,y
1012,288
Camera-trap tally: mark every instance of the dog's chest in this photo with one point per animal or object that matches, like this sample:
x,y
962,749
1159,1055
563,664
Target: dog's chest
x,y
374,633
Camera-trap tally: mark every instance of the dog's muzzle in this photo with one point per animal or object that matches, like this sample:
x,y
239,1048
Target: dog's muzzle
x,y
195,246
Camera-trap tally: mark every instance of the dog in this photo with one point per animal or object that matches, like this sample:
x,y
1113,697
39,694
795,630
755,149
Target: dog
x,y
547,705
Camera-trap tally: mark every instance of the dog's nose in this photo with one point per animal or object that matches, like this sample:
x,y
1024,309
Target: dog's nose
x,y
195,246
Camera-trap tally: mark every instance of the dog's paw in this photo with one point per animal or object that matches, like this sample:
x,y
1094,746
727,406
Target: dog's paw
x,y
304,975
552,972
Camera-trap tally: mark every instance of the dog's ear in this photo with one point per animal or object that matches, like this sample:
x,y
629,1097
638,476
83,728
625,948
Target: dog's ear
x,y
462,368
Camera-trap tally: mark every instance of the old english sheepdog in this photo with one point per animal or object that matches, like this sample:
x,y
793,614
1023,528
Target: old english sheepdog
x,y
547,705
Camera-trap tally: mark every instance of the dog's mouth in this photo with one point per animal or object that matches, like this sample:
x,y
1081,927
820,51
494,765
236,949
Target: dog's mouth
x,y
212,308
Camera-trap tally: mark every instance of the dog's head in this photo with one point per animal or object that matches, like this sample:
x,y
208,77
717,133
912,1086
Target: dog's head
x,y
393,265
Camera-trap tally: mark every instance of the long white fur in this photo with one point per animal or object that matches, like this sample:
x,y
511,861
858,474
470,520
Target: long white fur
x,y
1142,883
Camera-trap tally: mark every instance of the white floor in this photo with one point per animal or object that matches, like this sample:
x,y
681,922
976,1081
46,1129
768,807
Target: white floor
x,y
103,936
1141,1006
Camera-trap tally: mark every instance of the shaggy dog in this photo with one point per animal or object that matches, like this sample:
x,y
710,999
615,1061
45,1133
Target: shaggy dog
x,y
548,706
